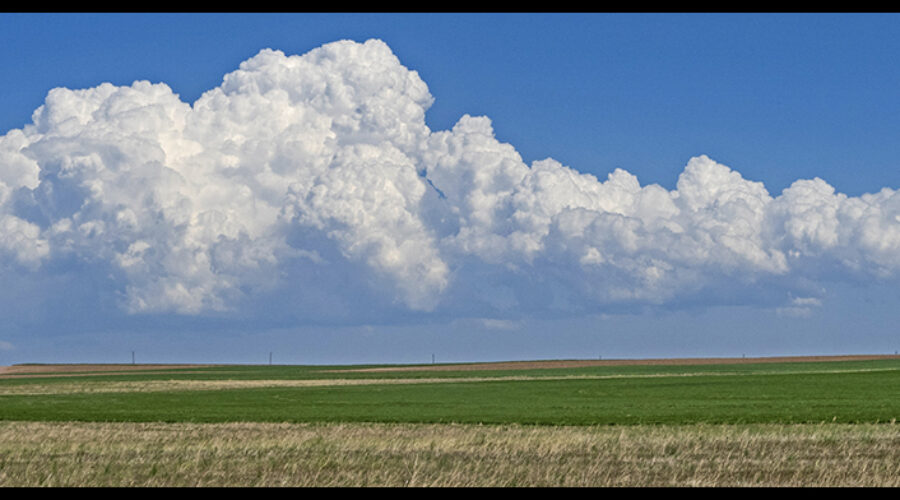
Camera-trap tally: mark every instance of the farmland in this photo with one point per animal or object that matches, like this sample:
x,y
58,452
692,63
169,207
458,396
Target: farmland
x,y
813,421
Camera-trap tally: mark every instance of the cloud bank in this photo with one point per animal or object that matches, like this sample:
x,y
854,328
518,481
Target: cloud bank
x,y
312,182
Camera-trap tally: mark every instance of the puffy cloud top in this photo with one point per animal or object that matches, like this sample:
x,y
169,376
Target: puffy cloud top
x,y
298,166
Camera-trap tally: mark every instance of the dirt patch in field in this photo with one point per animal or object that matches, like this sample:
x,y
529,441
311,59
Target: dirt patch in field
x,y
213,385
580,363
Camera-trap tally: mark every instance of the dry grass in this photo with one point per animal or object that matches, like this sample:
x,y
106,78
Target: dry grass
x,y
256,454
204,385
88,369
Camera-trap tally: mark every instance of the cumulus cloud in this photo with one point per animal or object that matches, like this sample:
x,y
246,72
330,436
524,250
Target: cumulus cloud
x,y
314,178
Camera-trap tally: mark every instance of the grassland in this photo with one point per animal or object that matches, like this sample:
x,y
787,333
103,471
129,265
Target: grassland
x,y
815,423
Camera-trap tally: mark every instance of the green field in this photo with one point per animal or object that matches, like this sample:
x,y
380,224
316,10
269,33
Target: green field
x,y
811,414
849,392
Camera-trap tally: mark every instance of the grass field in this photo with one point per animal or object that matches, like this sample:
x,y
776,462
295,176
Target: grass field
x,y
711,422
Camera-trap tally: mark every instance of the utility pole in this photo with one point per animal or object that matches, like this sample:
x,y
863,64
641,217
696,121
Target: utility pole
x,y
270,358
432,358
132,357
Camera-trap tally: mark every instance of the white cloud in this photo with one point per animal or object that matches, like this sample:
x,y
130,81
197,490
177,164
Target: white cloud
x,y
799,307
806,302
314,177
500,324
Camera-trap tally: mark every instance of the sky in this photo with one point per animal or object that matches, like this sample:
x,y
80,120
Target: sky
x,y
397,188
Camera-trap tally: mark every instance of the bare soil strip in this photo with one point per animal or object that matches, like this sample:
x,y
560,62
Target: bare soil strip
x,y
580,363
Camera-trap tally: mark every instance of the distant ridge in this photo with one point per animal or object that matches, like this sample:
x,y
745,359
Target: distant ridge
x,y
75,369
579,363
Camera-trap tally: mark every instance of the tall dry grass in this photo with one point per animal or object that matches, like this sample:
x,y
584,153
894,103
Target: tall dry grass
x,y
256,454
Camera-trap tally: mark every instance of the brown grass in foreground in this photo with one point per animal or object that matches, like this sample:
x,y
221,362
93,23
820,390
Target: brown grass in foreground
x,y
256,454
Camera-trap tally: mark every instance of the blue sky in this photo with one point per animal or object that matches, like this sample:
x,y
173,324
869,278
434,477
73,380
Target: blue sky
x,y
775,98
